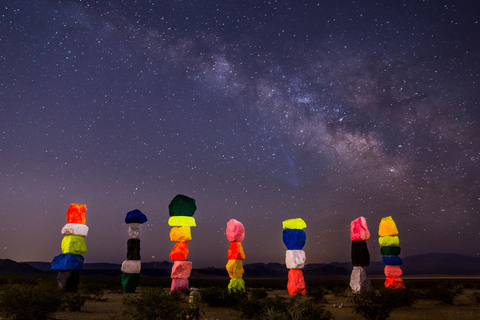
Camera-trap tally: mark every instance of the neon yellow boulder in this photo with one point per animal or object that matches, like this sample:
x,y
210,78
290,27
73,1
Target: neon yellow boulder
x,y
388,241
182,221
297,223
235,269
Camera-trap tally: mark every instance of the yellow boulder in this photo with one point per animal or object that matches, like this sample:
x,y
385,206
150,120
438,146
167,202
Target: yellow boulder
x,y
181,221
388,241
387,227
235,269
74,244
297,223
180,234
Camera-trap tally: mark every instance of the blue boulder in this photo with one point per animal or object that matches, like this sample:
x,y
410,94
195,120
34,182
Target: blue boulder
x,y
294,239
64,262
135,216
392,260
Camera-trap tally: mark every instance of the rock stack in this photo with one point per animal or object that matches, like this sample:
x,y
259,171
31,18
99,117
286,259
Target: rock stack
x,y
235,234
181,210
359,235
70,262
294,239
131,267
390,251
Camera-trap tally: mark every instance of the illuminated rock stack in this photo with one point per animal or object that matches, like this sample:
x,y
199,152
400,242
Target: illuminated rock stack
x,y
181,211
390,251
132,266
235,234
359,235
70,262
294,239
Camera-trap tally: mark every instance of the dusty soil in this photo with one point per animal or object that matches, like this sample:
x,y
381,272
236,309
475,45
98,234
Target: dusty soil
x,y
463,308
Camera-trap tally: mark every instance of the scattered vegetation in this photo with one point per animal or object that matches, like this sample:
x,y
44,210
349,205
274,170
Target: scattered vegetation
x,y
156,303
476,298
30,301
444,292
377,305
74,301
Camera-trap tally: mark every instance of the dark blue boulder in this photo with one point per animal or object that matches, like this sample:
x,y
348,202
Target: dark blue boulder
x,y
392,261
135,216
294,239
64,262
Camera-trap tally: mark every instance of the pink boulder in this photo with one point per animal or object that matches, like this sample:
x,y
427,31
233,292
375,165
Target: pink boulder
x,y
359,230
181,269
179,284
235,231
393,271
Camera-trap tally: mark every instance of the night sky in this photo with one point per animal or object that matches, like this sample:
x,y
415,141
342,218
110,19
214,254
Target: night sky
x,y
259,110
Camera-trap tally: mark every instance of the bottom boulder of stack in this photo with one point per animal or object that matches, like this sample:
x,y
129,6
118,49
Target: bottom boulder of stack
x,y
296,282
179,284
236,285
359,281
129,282
394,283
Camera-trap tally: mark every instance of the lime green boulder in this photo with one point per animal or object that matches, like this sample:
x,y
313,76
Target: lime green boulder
x,y
182,221
72,244
236,285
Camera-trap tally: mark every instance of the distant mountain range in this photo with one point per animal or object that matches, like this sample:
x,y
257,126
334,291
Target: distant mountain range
x,y
424,264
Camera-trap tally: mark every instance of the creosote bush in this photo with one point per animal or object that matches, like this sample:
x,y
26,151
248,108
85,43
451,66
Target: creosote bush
x,y
222,297
377,305
153,304
74,301
444,292
26,301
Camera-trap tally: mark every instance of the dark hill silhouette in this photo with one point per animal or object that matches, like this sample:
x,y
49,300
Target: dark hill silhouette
x,y
424,264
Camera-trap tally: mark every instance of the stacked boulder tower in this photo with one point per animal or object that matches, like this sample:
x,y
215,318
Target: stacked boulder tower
x,y
70,262
294,239
181,210
359,235
388,240
235,234
131,267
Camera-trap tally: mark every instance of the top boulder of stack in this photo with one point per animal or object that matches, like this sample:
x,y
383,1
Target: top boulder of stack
x,y
135,216
387,227
297,223
182,205
76,213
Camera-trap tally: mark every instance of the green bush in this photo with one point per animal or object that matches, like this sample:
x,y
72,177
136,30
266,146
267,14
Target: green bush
x,y
444,292
222,297
74,300
25,301
476,298
153,304
93,291
258,293
375,305
317,294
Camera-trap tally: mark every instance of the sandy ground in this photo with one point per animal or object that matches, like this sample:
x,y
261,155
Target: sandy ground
x,y
463,308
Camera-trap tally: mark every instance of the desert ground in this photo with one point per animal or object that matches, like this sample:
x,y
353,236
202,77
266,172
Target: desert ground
x,y
340,306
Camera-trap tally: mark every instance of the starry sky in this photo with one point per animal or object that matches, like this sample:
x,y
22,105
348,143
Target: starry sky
x,y
259,110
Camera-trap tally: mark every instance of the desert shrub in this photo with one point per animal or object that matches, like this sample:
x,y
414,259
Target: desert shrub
x,y
26,301
339,291
444,292
258,293
317,294
222,297
311,310
152,304
476,298
377,305
93,291
74,300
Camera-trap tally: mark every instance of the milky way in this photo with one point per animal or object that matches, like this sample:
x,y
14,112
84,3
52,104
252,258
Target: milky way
x,y
260,110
